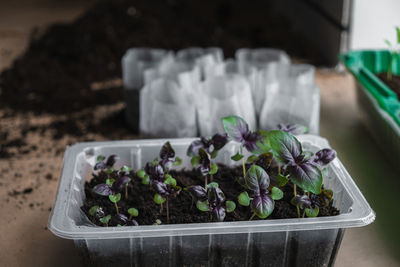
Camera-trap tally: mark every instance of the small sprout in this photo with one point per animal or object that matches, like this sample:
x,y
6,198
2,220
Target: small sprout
x,y
141,173
114,199
178,161
237,157
157,222
276,193
105,220
165,191
214,201
211,146
105,165
212,184
167,157
93,210
110,182
312,212
112,187
158,199
133,213
257,182
125,170
281,180
293,128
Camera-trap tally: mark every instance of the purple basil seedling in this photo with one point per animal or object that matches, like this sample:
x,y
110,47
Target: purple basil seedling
x,y
205,166
124,220
167,157
260,200
310,203
213,200
112,188
238,130
211,146
105,165
165,190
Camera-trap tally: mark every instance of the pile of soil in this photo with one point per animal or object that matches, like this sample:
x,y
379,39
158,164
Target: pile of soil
x,y
57,71
393,83
182,208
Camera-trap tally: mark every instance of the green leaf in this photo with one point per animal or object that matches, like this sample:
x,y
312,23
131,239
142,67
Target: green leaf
x,y
388,43
230,206
115,198
203,205
312,212
125,169
158,199
398,34
237,156
146,179
141,173
93,210
234,127
285,147
244,199
155,162
325,172
195,160
158,222
105,219
109,171
262,145
281,179
178,161
212,184
214,154
110,181
134,212
251,159
214,169
118,225
100,158
276,193
170,180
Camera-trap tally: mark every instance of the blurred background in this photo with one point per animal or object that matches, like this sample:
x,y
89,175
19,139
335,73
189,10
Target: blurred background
x,y
60,83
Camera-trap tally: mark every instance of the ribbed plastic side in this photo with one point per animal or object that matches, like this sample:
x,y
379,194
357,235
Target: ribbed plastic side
x,y
287,249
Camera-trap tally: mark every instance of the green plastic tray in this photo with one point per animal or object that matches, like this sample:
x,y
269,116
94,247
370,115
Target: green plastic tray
x,y
364,65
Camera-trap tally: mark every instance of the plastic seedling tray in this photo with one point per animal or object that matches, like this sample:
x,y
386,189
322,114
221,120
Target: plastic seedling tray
x,y
282,242
380,105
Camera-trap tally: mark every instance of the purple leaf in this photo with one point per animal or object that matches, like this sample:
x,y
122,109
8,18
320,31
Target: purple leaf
x,y
293,128
324,156
198,192
161,188
219,141
120,183
167,153
306,175
204,162
121,218
219,213
256,179
237,129
285,147
215,196
155,172
133,222
103,190
99,166
194,147
303,201
262,205
111,160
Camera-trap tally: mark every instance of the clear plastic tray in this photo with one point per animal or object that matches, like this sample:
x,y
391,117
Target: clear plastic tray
x,y
283,242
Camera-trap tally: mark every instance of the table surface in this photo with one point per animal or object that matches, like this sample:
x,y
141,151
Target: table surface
x,y
24,238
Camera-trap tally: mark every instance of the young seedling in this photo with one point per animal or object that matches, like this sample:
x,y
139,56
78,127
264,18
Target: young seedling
x,y
114,199
302,168
237,129
260,200
104,220
211,146
165,190
205,166
310,203
213,201
394,52
151,172
167,157
105,165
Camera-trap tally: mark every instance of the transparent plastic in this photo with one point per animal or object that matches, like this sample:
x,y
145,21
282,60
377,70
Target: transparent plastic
x,y
221,96
283,242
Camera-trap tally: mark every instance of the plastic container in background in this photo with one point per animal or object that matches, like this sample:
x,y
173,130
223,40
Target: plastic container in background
x,y
284,242
294,100
134,63
166,110
221,96
271,65
380,105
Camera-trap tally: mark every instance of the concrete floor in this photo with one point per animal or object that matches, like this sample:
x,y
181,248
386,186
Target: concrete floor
x,y
25,241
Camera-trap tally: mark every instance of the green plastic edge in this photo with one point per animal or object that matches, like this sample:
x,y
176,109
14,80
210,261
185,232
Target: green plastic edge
x,y
363,65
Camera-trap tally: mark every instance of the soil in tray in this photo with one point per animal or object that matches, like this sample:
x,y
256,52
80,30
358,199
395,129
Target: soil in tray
x,y
393,83
182,209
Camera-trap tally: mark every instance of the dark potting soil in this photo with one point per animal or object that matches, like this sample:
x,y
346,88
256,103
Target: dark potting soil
x,y
182,209
57,70
393,83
